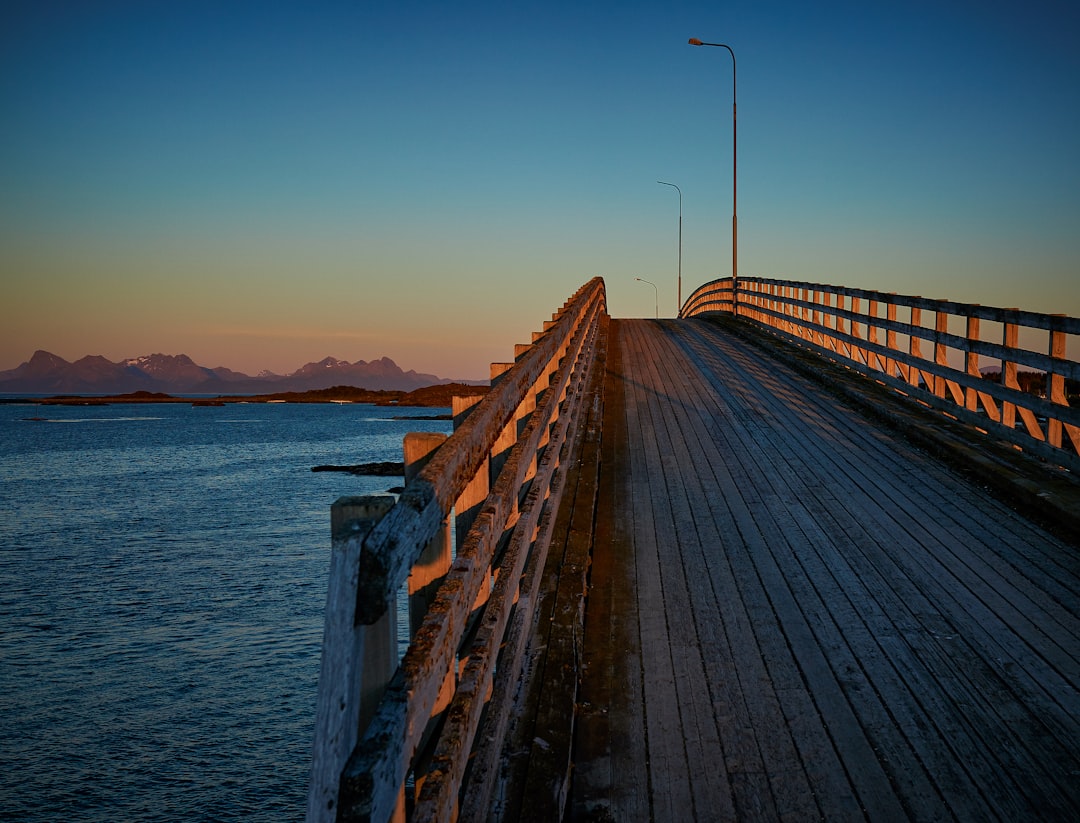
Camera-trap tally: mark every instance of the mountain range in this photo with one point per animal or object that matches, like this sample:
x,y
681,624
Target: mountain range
x,y
46,373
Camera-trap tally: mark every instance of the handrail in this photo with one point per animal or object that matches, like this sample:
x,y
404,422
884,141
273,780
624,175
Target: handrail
x,y
714,296
845,323
498,474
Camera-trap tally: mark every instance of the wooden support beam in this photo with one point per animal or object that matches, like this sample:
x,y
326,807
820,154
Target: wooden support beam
x,y
357,661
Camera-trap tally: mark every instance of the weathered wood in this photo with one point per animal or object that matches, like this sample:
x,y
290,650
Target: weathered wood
x,y
691,616
439,796
1036,360
928,539
430,569
556,629
468,503
1035,320
611,778
1013,354
819,621
434,562
877,640
961,393
537,402
776,528
356,661
394,544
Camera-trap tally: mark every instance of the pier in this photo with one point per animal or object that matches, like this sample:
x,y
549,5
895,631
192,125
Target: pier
x,y
790,556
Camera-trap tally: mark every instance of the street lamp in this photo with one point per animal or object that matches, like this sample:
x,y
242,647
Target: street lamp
x,y
734,173
656,294
678,301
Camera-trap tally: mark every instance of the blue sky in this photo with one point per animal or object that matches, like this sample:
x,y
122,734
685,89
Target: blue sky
x,y
263,184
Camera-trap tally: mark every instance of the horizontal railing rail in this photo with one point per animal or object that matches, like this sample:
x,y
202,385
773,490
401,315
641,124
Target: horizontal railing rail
x,y
883,334
714,296
382,727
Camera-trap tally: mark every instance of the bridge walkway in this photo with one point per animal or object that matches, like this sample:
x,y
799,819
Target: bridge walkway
x,y
796,615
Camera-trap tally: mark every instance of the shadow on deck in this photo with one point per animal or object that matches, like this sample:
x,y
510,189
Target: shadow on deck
x,y
794,613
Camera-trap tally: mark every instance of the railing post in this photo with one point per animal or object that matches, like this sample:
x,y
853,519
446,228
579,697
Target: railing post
x,y
873,359
827,320
461,406
816,335
858,353
467,506
527,407
941,358
1009,375
1010,339
1057,387
1055,383
357,661
500,450
840,344
915,347
971,394
890,343
434,561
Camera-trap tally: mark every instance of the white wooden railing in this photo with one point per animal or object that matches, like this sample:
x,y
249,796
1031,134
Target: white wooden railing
x,y
392,741
883,336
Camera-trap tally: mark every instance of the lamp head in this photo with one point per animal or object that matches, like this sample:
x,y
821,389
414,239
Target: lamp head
x,y
695,42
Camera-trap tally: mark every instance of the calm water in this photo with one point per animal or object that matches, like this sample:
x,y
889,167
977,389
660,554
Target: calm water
x,y
162,580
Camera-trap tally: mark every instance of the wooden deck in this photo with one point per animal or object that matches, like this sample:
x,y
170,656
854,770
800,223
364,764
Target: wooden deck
x,y
794,615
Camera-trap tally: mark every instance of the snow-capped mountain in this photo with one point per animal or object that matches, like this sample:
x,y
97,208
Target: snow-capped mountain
x,y
45,373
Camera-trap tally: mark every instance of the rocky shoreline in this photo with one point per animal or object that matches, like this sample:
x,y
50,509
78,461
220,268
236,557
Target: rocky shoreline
x,y
439,395
385,468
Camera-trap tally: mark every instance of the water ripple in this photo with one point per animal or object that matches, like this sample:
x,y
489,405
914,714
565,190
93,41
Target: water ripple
x,y
162,581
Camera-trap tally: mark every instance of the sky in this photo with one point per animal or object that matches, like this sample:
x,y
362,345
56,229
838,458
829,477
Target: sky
x,y
263,184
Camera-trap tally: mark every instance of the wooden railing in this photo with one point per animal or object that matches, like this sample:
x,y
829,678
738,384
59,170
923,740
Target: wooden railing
x,y
393,742
882,335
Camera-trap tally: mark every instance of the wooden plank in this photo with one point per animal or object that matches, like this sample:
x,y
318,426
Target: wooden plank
x,y
772,742
877,638
985,694
848,504
669,776
691,611
611,767
760,535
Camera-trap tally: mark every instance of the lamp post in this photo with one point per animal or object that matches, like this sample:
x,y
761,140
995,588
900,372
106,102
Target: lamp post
x,y
678,299
734,174
656,294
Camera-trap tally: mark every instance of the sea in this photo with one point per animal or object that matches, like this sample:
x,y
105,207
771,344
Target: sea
x,y
162,584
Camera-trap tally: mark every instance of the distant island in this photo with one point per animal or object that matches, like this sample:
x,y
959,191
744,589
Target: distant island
x,y
436,396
